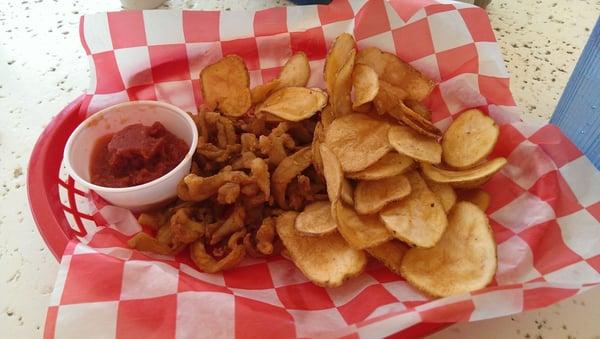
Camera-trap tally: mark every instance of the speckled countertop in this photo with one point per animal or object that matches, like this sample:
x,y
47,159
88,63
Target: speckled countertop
x,y
42,68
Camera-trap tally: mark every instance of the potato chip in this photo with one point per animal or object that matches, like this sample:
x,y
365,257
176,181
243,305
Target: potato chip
x,y
372,196
295,72
463,260
342,103
469,139
327,260
261,92
347,193
316,219
478,197
399,73
418,219
391,69
294,103
445,194
364,108
336,57
327,116
388,97
360,231
366,85
419,108
406,141
318,139
422,127
470,178
390,253
332,171
358,141
417,122
391,164
372,57
225,86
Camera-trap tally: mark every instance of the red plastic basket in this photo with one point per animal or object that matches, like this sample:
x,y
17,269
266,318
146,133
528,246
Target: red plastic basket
x,y
43,181
49,213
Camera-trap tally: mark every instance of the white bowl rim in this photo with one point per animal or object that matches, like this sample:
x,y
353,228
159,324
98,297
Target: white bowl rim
x,y
154,182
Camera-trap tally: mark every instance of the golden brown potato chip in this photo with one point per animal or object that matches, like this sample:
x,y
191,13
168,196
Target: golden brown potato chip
x,y
295,72
336,57
358,141
318,139
316,219
225,86
390,253
388,97
398,73
342,87
270,117
417,146
332,171
418,125
469,139
416,121
445,194
463,260
372,57
288,169
327,116
327,260
419,108
366,85
470,178
389,165
360,231
372,196
261,92
364,108
418,219
294,103
347,193
478,197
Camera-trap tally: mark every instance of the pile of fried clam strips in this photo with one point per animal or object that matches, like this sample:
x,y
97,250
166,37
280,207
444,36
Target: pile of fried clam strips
x,y
329,177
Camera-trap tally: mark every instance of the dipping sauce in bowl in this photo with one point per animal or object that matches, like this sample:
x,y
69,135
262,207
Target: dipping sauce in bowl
x,y
135,155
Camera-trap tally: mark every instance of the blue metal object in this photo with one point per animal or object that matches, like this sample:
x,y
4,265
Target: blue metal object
x,y
578,111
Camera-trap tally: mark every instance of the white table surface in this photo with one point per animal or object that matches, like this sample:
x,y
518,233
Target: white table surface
x,y
43,68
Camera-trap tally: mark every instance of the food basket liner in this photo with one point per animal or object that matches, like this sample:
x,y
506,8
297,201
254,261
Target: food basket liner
x,y
544,211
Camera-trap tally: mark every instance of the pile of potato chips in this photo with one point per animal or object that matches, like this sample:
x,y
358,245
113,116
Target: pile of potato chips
x,y
391,183
382,179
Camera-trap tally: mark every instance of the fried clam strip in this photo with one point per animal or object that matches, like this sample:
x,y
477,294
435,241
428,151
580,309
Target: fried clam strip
x,y
233,223
184,228
261,243
288,169
165,241
197,188
208,264
218,139
153,220
300,191
144,242
276,144
259,173
228,193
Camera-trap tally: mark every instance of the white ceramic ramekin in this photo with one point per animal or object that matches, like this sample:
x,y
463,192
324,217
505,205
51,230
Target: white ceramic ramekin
x,y
78,150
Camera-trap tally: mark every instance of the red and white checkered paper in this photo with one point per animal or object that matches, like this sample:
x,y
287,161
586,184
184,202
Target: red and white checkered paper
x,y
545,207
